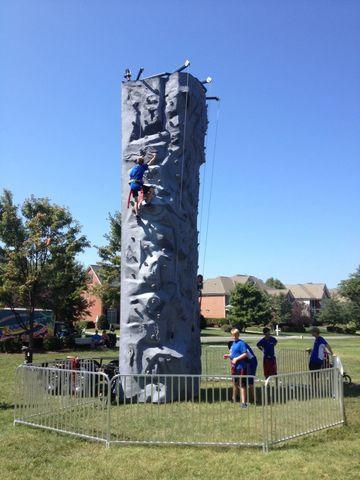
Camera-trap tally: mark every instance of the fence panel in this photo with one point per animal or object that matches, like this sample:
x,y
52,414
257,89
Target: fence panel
x,y
212,361
69,401
180,409
301,403
291,360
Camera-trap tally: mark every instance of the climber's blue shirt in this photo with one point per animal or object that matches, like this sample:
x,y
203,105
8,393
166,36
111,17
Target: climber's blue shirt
x,y
136,174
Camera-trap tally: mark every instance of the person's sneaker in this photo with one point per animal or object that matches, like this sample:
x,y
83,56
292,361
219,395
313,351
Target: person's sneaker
x,y
243,405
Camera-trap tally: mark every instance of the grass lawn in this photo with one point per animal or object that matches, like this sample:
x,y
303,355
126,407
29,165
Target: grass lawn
x,y
34,454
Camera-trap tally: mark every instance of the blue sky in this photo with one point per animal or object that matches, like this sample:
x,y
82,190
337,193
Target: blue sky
x,y
285,200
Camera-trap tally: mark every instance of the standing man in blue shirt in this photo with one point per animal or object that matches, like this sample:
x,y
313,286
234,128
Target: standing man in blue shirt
x,y
267,346
136,180
317,355
238,356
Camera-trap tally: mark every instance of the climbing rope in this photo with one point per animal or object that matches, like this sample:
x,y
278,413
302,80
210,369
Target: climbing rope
x,y
184,139
203,185
182,165
211,185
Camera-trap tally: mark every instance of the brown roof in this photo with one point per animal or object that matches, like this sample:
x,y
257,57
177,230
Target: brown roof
x,y
309,291
218,286
224,285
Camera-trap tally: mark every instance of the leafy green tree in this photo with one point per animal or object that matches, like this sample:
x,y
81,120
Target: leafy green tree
x,y
353,314
249,305
333,312
282,309
340,313
39,242
350,288
110,265
274,283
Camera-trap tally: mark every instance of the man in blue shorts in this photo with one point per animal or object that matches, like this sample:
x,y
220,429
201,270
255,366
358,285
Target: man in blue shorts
x,y
136,180
238,356
317,355
267,346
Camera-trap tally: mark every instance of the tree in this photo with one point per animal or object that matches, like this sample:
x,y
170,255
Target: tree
x,y
274,283
282,309
350,288
340,313
249,305
110,265
333,312
38,267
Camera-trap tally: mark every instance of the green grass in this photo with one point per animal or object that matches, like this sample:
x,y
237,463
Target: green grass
x,y
34,454
213,332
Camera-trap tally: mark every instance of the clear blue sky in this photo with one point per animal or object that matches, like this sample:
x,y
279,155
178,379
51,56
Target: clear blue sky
x,y
286,189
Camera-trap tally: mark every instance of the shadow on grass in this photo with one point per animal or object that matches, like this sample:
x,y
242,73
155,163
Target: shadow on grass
x,y
212,395
6,406
352,390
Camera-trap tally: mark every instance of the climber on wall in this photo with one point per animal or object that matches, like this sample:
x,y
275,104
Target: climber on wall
x,y
136,182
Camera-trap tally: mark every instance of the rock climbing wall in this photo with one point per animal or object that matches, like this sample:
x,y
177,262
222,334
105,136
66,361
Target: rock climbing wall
x,y
159,300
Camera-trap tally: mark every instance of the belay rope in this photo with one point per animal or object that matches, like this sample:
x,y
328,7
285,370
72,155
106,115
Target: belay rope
x,y
184,139
182,164
211,186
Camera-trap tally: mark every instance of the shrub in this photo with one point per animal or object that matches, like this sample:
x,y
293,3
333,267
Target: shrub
x,y
203,323
102,323
68,342
293,328
81,326
331,328
11,345
52,343
216,322
351,328
227,327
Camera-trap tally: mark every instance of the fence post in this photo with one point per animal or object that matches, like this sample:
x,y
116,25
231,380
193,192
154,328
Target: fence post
x,y
108,418
265,417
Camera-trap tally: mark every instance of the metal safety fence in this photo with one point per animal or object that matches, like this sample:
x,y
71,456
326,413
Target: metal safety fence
x,y
301,403
178,409
68,401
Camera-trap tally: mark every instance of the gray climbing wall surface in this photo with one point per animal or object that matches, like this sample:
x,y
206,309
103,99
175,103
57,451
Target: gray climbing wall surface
x,y
159,302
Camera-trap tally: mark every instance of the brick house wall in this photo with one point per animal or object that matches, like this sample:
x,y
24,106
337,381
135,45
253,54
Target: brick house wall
x,y
213,306
96,308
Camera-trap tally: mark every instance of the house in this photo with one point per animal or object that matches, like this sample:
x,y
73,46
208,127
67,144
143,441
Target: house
x,y
96,306
216,293
311,295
